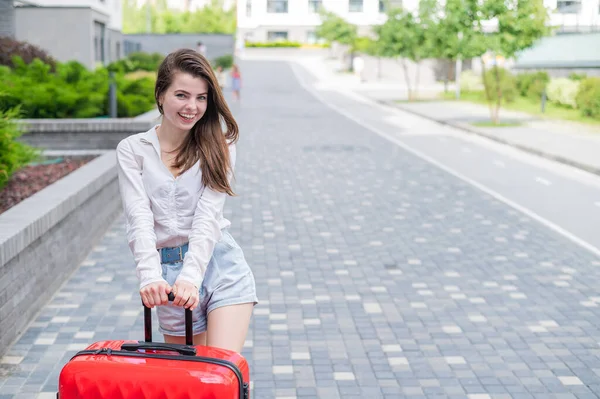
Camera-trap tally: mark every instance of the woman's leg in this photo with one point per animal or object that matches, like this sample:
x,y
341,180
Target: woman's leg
x,y
199,339
228,326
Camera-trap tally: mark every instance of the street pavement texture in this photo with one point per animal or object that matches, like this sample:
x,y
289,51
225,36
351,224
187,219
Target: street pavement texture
x,y
379,274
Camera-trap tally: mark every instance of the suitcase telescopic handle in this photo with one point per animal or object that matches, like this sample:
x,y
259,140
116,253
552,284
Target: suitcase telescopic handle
x,y
189,334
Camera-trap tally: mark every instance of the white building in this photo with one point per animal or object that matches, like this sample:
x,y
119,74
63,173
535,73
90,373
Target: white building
x,y
296,20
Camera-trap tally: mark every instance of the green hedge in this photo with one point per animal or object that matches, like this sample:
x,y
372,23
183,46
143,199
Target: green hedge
x,y
575,92
138,61
532,84
225,61
282,43
588,97
13,154
71,91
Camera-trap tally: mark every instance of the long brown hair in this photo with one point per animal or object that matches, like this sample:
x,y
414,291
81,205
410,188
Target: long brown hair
x,y
206,141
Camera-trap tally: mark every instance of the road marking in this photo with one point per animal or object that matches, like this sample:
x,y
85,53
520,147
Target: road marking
x,y
597,203
500,164
543,181
466,149
553,226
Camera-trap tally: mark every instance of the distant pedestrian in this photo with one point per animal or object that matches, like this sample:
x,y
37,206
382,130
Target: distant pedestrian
x,y
220,74
201,48
236,82
358,65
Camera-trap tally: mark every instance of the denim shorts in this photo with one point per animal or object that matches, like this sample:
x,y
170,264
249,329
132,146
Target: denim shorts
x,y
228,281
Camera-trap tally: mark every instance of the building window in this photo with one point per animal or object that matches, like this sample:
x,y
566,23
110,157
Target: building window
x,y
276,36
277,6
99,39
314,6
382,6
248,8
311,37
568,6
355,6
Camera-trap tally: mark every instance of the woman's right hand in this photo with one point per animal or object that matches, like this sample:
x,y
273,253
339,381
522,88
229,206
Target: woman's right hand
x,y
155,294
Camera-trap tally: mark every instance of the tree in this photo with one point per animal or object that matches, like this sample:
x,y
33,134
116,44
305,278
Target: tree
x,y
334,28
520,24
404,36
458,34
212,18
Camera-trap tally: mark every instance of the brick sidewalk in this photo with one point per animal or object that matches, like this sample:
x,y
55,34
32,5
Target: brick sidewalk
x,y
379,275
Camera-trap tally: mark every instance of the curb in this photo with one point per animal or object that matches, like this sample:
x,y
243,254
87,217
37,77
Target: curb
x,y
588,168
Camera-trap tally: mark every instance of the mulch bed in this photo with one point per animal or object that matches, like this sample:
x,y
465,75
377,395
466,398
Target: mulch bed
x,y
34,178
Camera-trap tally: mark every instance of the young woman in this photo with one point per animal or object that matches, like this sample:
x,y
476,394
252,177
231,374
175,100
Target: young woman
x,y
174,180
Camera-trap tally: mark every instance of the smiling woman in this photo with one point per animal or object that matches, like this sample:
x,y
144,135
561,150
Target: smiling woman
x,y
174,180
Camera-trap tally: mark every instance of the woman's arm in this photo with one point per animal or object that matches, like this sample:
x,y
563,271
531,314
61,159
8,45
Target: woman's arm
x,y
139,218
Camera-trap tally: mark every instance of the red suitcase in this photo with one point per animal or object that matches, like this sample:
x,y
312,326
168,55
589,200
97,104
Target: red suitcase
x,y
148,370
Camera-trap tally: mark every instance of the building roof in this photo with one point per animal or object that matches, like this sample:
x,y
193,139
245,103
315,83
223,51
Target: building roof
x,y
581,50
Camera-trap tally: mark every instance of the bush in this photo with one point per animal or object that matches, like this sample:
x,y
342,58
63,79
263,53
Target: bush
x,y
470,81
71,92
282,43
577,76
13,154
562,91
588,97
506,82
139,61
10,48
224,61
532,84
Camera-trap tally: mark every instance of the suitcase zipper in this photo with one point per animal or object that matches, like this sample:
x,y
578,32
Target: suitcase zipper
x,y
244,386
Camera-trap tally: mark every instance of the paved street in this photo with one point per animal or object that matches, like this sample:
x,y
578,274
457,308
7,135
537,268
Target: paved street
x,y
380,275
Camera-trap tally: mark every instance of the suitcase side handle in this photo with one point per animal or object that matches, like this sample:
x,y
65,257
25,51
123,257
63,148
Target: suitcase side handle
x,y
189,330
185,350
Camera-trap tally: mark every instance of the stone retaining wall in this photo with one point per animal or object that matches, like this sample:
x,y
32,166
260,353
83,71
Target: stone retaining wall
x,y
44,239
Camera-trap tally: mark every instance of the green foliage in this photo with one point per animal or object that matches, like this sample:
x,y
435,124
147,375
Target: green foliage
x,y
336,29
13,154
459,32
210,19
470,81
532,84
224,61
399,36
138,61
279,43
366,45
577,76
501,84
71,91
520,24
588,97
10,47
562,91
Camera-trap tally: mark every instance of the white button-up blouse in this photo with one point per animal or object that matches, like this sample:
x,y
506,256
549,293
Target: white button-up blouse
x,y
164,211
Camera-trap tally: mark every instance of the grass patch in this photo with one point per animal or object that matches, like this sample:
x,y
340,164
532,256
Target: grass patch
x,y
499,124
528,106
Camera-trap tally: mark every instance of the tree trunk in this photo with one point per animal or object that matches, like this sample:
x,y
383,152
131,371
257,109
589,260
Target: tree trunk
x,y
487,89
417,73
446,75
407,78
499,92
